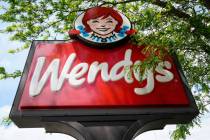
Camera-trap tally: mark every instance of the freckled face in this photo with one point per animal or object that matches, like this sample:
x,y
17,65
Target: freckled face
x,y
102,26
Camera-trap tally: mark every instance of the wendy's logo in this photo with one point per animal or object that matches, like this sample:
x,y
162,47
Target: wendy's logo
x,y
101,26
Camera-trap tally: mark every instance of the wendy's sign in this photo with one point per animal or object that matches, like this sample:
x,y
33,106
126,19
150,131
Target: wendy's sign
x,y
102,27
74,75
73,81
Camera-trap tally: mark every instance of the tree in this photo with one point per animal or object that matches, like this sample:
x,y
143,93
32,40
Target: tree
x,y
181,26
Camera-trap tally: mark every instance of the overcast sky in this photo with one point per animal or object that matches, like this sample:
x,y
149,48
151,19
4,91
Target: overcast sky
x,y
8,89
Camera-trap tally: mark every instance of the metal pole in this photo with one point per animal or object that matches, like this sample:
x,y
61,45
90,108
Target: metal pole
x,y
81,132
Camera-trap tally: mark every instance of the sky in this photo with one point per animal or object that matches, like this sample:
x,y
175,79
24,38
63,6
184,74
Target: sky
x,y
8,88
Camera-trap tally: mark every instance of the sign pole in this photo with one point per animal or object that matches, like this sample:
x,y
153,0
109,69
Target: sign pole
x,y
115,132
81,132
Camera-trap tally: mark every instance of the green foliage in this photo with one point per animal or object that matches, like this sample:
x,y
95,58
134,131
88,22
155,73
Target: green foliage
x,y
6,121
178,26
4,74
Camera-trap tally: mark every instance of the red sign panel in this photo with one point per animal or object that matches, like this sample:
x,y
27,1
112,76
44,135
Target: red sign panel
x,y
69,75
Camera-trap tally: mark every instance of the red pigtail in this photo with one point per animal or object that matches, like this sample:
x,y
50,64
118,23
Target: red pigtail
x,y
131,32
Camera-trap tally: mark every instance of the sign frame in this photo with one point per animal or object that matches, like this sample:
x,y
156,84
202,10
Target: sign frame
x,y
98,116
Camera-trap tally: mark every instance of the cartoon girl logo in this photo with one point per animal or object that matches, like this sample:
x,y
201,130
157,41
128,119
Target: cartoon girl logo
x,y
102,25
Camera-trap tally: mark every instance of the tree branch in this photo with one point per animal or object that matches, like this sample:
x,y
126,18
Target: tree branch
x,y
159,3
173,10
120,2
53,23
207,4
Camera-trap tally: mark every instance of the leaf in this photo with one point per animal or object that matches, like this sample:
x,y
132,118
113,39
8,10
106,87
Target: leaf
x,y
2,70
6,121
